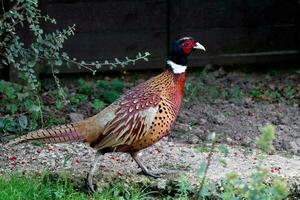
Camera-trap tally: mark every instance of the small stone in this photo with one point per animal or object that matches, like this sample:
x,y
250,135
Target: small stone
x,y
219,119
295,148
161,183
193,139
230,141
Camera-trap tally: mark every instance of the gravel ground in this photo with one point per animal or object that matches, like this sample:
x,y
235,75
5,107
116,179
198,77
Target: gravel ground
x,y
165,156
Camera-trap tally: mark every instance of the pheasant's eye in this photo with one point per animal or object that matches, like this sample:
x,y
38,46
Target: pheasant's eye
x,y
185,44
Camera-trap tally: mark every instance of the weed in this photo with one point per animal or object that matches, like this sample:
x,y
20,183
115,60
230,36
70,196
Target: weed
x,y
266,138
224,93
213,92
202,148
85,87
289,92
229,114
183,187
236,93
117,85
78,99
275,95
110,96
191,90
236,188
102,84
255,93
98,104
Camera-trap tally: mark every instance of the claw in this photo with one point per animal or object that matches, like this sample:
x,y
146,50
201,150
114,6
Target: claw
x,y
91,186
151,174
142,166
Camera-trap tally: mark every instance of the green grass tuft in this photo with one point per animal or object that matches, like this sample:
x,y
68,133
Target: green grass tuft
x,y
49,186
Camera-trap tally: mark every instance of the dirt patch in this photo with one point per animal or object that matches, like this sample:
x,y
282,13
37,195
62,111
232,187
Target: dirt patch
x,y
235,105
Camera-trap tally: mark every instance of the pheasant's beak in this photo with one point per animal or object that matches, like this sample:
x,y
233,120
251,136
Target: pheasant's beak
x,y
199,46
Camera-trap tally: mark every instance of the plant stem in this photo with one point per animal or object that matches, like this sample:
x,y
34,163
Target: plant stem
x,y
209,159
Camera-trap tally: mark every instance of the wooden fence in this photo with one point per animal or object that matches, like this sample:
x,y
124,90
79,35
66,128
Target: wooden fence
x,y
233,31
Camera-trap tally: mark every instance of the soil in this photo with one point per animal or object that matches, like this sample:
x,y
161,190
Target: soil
x,y
234,105
238,119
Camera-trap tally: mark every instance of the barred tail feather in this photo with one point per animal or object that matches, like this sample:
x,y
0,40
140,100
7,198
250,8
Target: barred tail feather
x,y
64,133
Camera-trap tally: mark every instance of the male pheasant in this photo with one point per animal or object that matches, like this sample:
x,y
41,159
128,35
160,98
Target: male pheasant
x,y
138,119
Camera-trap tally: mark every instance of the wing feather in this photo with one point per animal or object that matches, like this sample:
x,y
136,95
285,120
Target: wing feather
x,y
133,118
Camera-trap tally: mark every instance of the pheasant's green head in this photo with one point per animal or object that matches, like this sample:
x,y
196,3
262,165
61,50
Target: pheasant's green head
x,y
180,50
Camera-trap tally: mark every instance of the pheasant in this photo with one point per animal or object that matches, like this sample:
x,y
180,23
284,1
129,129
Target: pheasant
x,y
138,119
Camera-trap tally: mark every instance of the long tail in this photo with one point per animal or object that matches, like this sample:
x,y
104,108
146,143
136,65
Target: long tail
x,y
64,133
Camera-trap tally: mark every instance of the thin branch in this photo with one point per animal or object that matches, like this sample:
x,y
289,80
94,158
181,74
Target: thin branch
x,y
2,4
15,8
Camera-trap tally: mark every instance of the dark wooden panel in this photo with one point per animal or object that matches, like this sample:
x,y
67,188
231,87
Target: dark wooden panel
x,y
245,58
233,13
108,45
109,29
249,31
115,15
246,40
238,31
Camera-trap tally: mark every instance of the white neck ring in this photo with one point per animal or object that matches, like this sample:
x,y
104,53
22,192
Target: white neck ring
x,y
177,69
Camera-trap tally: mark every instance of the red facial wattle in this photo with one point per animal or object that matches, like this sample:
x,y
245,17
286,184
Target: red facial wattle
x,y
187,46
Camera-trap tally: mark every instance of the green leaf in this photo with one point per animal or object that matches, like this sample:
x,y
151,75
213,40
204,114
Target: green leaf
x,y
9,91
98,66
8,124
31,63
1,123
34,108
23,122
22,96
12,108
211,137
224,150
4,62
102,84
202,168
98,104
110,96
58,62
266,138
117,85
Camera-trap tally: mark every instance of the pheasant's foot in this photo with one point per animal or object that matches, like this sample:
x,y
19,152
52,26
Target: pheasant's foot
x,y
90,184
145,170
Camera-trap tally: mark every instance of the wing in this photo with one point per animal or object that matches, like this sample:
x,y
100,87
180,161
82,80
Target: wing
x,y
133,118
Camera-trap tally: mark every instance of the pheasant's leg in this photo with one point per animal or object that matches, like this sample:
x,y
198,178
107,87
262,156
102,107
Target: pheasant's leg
x,y
142,166
92,170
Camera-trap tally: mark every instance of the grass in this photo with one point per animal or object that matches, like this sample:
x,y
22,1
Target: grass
x,y
17,186
46,186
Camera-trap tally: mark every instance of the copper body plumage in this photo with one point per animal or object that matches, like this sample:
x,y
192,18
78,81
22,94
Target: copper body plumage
x,y
138,119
